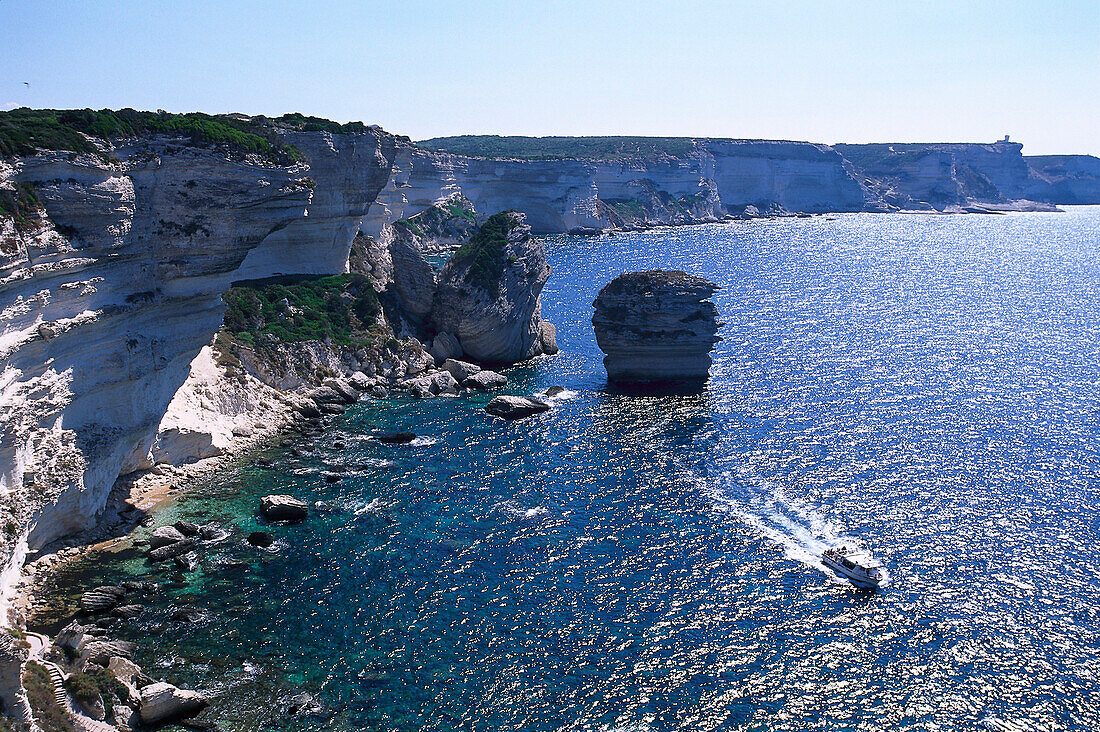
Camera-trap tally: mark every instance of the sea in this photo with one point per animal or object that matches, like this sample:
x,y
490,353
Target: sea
x,y
928,385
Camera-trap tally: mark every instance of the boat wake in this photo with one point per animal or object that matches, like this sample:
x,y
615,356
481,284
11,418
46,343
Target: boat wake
x,y
794,525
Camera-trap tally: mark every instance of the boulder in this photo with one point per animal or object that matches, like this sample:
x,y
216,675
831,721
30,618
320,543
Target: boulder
x,y
101,598
485,380
172,550
328,408
656,327
69,637
100,652
304,406
445,346
444,384
188,528
553,391
128,612
488,293
379,392
161,702
461,370
344,388
165,535
515,407
327,395
283,508
421,388
361,381
418,361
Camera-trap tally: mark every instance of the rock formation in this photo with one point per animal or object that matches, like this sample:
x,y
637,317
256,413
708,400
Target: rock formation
x,y
489,293
656,327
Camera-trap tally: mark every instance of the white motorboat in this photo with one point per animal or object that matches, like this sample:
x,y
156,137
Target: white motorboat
x,y
855,563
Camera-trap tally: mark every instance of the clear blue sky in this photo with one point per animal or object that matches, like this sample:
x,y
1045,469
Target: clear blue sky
x,y
876,70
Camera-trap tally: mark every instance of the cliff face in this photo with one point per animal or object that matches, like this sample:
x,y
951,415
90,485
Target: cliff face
x,y
656,327
113,285
948,176
1069,179
489,294
708,181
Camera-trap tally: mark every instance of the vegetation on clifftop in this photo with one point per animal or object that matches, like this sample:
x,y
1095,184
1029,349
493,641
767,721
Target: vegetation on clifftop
x,y
23,130
559,148
483,255
342,309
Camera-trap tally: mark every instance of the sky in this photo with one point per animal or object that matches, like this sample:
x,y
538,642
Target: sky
x,y
869,71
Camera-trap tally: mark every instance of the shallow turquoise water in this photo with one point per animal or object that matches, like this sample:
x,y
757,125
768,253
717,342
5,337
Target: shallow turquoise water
x,y
930,384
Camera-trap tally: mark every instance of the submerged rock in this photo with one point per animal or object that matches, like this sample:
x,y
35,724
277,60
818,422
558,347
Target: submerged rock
x,y
515,407
161,702
303,704
283,508
261,539
656,327
396,438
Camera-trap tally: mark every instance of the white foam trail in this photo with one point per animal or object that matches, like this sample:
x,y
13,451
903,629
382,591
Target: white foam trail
x,y
794,525
423,441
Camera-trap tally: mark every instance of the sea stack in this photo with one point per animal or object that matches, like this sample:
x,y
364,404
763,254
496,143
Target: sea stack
x,y
656,327
488,294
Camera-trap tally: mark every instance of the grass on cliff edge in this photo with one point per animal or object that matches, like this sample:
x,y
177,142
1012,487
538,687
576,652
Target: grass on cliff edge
x,y
560,148
24,130
341,309
484,253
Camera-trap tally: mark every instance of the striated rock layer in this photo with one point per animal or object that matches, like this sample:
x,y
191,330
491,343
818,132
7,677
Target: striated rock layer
x,y
656,327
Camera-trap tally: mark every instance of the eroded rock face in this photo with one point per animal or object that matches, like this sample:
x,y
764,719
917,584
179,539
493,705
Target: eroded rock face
x,y
489,293
656,327
283,508
108,295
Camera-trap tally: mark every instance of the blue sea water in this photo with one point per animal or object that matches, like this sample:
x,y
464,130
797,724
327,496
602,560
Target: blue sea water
x,y
929,384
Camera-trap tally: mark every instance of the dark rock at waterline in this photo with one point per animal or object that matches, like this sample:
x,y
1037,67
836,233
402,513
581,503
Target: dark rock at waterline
x,y
332,408
264,462
396,438
283,508
303,704
161,702
286,443
553,391
135,586
515,407
338,445
127,612
333,478
379,392
172,550
101,599
212,532
187,528
187,615
188,562
261,539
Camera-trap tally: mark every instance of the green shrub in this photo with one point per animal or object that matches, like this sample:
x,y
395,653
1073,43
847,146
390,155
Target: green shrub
x,y
484,253
22,205
49,716
338,308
